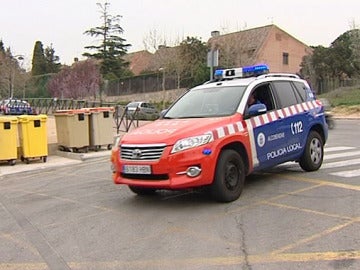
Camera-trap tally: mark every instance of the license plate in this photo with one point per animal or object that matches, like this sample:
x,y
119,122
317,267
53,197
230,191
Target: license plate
x,y
137,169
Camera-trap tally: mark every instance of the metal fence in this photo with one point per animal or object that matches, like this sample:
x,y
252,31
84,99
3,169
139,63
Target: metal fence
x,y
123,121
139,84
50,105
327,85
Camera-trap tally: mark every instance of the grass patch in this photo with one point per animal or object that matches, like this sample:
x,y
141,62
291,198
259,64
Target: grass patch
x,y
344,96
344,101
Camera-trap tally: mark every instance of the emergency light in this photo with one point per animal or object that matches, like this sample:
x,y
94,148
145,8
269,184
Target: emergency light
x,y
242,72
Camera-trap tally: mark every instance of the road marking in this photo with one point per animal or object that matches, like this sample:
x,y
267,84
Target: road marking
x,y
342,163
314,237
319,181
329,165
23,266
182,263
337,148
341,155
347,174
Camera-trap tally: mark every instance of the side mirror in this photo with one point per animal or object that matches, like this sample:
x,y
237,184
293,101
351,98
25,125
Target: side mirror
x,y
256,109
162,113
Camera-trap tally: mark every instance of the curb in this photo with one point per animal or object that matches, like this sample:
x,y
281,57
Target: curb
x,y
56,158
83,156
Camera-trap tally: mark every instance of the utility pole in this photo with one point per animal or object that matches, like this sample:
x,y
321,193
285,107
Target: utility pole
x,y
213,56
14,63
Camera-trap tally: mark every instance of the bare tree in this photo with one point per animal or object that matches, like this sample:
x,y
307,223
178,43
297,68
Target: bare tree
x,y
153,40
12,76
81,80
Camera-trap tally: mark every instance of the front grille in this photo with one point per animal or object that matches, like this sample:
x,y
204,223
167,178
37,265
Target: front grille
x,y
149,177
142,151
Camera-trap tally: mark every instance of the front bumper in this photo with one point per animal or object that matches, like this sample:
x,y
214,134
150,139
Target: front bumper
x,y
171,171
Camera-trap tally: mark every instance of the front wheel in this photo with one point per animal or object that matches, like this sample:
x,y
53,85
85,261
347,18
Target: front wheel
x,y
229,177
313,155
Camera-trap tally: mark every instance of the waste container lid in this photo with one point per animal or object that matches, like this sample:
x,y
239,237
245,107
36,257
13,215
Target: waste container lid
x,y
12,119
101,109
72,112
27,118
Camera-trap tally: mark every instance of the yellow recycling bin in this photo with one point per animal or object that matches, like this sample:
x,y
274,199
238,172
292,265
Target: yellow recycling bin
x,y
8,139
101,127
72,129
33,137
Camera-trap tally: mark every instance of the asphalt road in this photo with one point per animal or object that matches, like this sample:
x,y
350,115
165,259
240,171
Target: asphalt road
x,y
74,217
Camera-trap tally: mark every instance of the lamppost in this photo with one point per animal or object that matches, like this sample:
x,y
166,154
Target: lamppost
x,y
12,72
163,85
213,56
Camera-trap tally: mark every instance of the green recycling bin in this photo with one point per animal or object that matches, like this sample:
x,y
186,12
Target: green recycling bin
x,y
33,137
8,139
72,129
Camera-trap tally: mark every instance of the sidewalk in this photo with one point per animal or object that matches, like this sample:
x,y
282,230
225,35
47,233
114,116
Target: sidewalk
x,y
59,158
55,158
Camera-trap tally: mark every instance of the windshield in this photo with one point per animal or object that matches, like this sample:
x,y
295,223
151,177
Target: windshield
x,y
133,104
207,102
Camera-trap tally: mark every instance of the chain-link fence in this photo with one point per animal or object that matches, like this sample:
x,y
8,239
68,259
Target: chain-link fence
x,y
327,85
139,84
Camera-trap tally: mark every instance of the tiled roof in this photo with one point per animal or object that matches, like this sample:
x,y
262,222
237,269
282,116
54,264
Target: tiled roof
x,y
243,45
240,48
139,61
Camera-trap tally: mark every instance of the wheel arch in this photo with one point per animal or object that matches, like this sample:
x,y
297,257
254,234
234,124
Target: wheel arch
x,y
319,129
240,148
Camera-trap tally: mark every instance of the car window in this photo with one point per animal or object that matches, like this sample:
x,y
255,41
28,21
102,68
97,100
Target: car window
x,y
301,89
207,102
263,94
285,93
133,104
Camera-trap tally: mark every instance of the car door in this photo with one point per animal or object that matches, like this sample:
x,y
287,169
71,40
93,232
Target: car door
x,y
145,108
267,129
293,122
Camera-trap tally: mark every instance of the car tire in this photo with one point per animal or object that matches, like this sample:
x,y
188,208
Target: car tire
x,y
141,191
229,177
313,155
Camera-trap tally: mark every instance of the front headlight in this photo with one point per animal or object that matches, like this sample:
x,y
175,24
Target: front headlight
x,y
191,142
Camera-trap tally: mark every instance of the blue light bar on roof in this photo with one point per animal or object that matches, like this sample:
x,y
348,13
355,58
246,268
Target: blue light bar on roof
x,y
218,73
244,72
258,69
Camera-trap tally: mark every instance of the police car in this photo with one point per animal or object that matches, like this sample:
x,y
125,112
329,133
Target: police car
x,y
15,107
212,137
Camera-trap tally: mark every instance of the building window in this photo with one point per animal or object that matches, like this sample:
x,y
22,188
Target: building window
x,y
285,58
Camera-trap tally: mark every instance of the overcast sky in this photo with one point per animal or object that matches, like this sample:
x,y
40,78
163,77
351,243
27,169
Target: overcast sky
x,y
63,22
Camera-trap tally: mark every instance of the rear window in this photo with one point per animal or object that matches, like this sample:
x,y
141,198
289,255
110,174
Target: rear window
x,y
133,104
302,90
286,93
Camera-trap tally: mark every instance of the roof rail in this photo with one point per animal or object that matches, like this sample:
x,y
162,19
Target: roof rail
x,y
285,75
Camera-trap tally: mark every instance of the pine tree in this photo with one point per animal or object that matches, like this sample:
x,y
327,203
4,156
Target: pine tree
x,y
112,47
39,60
2,49
52,60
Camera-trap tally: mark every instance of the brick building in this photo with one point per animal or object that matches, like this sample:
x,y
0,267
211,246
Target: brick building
x,y
262,45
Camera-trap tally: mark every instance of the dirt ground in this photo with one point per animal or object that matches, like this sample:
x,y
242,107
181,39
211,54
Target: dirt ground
x,y
346,112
